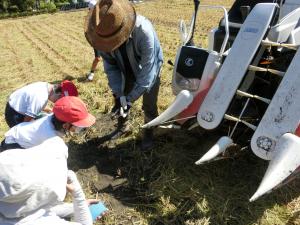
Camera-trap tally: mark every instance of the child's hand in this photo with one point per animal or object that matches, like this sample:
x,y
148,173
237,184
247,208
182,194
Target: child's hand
x,y
47,110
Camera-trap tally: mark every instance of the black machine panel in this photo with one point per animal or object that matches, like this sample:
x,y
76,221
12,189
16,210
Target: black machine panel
x,y
191,62
235,14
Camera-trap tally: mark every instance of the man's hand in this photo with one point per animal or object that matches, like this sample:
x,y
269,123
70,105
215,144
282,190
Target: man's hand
x,y
125,106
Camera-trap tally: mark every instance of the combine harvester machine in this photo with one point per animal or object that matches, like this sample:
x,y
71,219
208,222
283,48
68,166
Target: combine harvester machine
x,y
245,85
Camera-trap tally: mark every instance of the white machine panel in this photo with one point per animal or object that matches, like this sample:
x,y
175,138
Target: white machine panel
x,y
282,115
235,65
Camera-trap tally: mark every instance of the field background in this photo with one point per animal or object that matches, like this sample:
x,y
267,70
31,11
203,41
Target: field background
x,y
161,187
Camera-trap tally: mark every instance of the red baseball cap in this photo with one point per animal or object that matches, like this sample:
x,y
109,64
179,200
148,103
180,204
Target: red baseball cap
x,y
72,110
68,88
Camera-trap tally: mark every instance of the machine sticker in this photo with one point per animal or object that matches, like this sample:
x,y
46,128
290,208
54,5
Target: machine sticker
x,y
251,30
189,62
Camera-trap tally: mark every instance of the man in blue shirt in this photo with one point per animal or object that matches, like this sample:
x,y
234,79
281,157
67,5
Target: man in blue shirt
x,y
132,57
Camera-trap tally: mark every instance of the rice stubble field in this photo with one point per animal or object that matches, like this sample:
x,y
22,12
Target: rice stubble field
x,y
160,187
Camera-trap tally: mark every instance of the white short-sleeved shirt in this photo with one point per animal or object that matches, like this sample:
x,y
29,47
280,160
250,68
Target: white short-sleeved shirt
x,y
30,134
30,99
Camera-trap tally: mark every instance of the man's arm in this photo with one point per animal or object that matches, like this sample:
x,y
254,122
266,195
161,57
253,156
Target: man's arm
x,y
113,73
145,77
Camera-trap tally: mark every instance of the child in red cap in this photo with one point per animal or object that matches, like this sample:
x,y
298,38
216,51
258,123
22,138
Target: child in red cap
x,y
26,103
69,115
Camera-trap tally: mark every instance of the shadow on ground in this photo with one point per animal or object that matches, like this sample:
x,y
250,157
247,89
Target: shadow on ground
x,y
165,186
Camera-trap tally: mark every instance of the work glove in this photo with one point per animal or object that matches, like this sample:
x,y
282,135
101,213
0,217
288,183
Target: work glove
x,y
125,107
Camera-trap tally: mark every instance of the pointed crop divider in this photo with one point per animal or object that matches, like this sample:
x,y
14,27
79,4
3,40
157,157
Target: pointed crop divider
x,y
222,144
285,161
181,102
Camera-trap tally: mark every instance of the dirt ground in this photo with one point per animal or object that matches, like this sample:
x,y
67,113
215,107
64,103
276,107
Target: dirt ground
x,y
118,172
133,184
159,187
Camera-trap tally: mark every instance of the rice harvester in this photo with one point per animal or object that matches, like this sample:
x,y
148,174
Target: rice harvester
x,y
246,84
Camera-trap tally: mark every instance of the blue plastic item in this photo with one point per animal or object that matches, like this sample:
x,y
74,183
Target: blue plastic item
x,y
97,209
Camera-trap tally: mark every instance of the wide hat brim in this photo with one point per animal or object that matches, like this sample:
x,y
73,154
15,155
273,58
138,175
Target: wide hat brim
x,y
112,42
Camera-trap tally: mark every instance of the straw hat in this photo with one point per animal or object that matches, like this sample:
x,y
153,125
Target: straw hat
x,y
109,24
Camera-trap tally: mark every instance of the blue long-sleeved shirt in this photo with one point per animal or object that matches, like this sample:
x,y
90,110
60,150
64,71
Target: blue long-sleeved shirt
x,y
145,56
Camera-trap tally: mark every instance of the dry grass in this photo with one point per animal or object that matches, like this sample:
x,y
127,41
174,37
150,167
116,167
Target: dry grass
x,y
163,187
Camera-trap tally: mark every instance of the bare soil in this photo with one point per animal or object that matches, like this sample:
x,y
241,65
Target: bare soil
x,y
118,171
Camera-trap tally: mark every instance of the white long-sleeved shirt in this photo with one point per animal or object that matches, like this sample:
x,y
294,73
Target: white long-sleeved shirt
x,y
33,181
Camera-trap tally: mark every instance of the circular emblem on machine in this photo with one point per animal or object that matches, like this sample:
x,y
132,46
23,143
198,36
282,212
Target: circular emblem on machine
x,y
207,116
189,62
265,143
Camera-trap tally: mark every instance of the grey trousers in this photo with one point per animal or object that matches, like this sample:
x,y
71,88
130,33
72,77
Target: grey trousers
x,y
150,102
149,98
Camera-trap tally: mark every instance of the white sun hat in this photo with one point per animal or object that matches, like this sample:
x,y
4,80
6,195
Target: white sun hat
x,y
33,178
